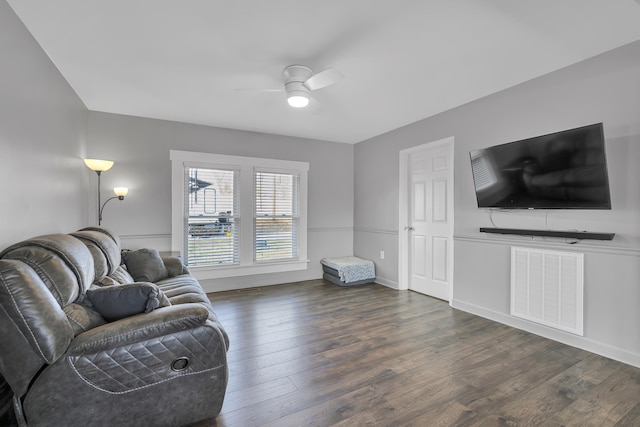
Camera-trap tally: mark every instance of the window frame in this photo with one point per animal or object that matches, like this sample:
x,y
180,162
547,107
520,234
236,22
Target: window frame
x,y
246,200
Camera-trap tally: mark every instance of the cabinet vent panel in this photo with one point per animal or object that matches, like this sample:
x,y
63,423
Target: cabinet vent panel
x,y
547,288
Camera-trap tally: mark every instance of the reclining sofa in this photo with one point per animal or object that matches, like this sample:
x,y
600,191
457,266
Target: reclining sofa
x,y
86,340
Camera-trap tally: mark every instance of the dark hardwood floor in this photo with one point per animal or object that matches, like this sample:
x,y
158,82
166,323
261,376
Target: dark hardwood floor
x,y
316,354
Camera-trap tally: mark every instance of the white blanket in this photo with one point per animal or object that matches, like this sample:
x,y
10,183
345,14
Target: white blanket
x,y
351,268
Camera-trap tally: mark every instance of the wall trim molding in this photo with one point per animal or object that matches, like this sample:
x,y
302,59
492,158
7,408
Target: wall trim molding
x,y
536,243
375,231
144,236
168,235
583,343
330,230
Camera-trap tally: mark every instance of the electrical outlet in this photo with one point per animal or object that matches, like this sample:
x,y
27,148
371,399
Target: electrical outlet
x,y
381,254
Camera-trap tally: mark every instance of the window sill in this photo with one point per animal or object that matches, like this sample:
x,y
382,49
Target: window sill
x,y
205,273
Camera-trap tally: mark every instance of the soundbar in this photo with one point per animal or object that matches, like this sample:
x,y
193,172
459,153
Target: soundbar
x,y
550,233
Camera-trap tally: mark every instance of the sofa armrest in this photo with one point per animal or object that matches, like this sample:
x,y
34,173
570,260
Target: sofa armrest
x,y
158,323
146,350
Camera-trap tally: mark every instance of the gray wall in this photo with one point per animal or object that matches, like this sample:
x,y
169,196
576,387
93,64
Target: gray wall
x,y
42,138
605,89
140,148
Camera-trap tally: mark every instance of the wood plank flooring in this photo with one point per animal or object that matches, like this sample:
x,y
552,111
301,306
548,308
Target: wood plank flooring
x,y
316,354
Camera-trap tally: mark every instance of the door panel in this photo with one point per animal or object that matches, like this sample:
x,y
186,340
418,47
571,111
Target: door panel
x,y
431,222
419,253
419,206
439,204
440,260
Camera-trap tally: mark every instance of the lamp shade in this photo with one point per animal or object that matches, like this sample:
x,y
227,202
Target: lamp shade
x,y
121,191
98,165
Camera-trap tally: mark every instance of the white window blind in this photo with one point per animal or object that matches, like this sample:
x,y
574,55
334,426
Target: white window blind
x,y
236,216
276,216
211,214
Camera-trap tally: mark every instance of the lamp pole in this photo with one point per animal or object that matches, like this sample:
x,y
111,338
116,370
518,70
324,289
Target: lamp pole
x,y
99,210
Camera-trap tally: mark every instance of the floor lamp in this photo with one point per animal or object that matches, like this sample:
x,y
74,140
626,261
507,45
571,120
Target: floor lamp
x,y
99,166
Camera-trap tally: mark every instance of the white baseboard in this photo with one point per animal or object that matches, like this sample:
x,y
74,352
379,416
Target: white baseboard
x,y
388,283
256,281
583,343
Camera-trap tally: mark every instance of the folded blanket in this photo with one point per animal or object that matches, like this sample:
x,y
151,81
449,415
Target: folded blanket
x,y
350,268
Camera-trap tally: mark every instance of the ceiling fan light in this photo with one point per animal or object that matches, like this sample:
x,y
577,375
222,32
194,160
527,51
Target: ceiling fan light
x,y
298,100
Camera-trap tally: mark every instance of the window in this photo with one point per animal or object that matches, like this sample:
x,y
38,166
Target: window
x,y
211,204
276,220
233,215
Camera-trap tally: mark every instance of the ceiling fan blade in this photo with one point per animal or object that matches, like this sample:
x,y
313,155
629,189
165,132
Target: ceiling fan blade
x,y
323,79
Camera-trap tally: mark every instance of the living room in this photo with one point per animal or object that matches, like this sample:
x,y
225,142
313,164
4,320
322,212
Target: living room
x,y
46,131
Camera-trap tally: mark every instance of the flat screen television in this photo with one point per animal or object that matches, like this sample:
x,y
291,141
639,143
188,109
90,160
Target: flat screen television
x,y
562,170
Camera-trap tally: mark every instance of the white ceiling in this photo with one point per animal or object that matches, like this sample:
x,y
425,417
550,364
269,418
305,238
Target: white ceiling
x,y
404,60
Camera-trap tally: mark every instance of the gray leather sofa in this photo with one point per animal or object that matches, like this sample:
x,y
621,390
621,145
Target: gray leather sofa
x,y
164,364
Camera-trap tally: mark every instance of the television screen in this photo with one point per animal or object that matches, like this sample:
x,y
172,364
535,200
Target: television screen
x,y
563,170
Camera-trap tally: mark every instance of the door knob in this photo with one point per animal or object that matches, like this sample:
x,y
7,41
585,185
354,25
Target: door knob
x,y
409,228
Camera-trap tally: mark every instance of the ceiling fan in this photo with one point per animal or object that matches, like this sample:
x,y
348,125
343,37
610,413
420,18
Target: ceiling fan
x,y
299,81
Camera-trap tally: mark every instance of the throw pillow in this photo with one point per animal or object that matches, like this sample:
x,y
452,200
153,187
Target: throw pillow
x,y
117,302
145,265
174,266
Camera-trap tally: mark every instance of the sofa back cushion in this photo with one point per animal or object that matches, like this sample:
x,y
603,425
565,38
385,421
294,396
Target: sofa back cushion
x,y
33,326
63,263
104,247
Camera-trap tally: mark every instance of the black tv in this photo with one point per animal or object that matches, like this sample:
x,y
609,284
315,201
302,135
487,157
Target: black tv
x,y
562,170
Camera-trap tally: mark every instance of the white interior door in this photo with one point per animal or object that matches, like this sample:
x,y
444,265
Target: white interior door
x,y
430,222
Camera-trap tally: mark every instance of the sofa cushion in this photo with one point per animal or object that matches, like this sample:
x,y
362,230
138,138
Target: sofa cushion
x,y
117,302
145,265
64,264
104,248
183,289
122,276
109,281
119,277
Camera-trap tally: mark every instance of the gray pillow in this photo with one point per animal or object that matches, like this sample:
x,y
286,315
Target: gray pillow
x,y
174,266
117,302
145,265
